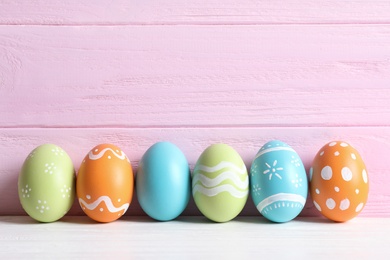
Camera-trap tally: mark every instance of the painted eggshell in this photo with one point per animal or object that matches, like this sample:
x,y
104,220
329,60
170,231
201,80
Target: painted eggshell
x,y
338,181
278,182
220,183
105,183
46,184
163,181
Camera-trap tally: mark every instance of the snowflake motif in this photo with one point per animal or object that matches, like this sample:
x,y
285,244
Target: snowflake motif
x,y
26,191
297,181
50,167
256,189
295,161
66,191
273,170
42,206
58,151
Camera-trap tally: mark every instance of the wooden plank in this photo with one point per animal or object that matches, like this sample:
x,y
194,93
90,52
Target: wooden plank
x,y
194,76
372,142
76,12
194,238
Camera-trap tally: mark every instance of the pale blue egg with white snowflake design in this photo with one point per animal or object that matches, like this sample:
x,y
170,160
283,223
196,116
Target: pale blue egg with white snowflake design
x,y
279,184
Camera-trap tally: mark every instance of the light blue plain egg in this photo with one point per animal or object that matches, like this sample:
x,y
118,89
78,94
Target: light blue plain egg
x,y
163,181
279,184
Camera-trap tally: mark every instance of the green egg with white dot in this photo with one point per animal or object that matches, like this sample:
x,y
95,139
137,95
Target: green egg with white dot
x,y
46,183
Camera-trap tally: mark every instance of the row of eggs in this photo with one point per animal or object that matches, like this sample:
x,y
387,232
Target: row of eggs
x,y
220,183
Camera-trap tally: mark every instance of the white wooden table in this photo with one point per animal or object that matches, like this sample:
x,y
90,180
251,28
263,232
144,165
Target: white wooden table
x,y
194,238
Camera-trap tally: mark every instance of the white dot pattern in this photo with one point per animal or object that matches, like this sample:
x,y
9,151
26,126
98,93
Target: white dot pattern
x,y
50,168
330,203
317,206
66,191
344,204
364,174
359,207
311,173
346,173
326,173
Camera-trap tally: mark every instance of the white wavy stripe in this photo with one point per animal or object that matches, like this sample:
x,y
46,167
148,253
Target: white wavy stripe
x,y
220,166
107,201
228,175
92,156
210,192
268,150
280,197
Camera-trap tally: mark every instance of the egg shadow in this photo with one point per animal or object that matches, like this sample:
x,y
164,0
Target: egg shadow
x,y
196,220
318,220
19,220
82,220
254,220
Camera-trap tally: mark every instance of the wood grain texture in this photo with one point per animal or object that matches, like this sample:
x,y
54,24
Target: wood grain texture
x,y
196,72
90,12
194,238
372,142
172,76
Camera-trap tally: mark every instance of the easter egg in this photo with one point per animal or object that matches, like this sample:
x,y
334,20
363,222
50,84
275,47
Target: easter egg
x,y
46,183
220,183
105,183
338,181
279,185
163,181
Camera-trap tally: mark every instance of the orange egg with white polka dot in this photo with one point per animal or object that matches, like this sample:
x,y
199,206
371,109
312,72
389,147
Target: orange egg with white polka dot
x,y
105,183
339,181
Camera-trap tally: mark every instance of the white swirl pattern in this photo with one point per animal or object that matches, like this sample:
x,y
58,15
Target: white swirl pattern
x,y
216,190
227,175
121,156
107,201
212,186
220,166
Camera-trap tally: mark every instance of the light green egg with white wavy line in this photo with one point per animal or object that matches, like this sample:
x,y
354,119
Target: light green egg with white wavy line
x,y
220,184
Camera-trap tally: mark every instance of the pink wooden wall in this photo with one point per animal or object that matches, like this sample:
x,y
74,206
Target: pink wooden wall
x,y
79,73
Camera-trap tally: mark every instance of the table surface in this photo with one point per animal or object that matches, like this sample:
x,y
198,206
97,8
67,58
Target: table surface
x,y
194,237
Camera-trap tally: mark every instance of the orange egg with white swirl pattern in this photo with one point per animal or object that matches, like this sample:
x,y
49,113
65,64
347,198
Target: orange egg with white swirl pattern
x,y
105,183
